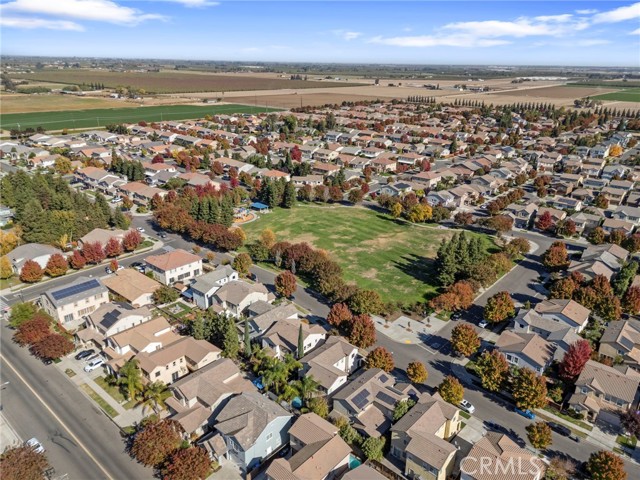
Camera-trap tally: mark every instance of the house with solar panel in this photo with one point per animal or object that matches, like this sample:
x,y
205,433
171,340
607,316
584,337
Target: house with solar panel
x,y
369,399
70,303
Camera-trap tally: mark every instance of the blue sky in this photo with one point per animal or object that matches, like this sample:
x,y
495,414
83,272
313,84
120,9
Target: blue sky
x,y
417,32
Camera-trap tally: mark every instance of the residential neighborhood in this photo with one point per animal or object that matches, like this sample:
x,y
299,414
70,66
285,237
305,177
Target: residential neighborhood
x,y
159,292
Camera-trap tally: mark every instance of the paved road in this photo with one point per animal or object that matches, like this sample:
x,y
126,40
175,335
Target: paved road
x,y
79,439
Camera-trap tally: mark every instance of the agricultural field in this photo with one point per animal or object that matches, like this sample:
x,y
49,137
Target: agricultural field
x,y
626,95
105,116
376,252
173,82
559,92
21,103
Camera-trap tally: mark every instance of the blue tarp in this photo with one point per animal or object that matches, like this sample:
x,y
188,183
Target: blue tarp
x,y
188,293
259,206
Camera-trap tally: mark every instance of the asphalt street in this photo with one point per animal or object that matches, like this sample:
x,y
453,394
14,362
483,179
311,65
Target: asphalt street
x,y
41,402
94,430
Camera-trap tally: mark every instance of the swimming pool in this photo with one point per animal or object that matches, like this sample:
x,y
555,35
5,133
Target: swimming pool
x,y
354,462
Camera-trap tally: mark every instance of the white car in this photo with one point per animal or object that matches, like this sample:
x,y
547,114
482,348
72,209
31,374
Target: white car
x,y
140,229
483,324
467,407
93,364
35,444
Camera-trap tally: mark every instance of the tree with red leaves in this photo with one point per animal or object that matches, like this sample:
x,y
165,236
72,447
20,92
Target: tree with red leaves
x,y
57,265
499,307
381,358
602,286
131,240
52,347
32,331
632,243
464,339
631,302
605,465
562,288
556,257
191,463
156,441
296,154
217,168
575,359
285,284
363,331
93,252
597,236
339,314
113,248
23,463
158,159
31,272
77,261
544,221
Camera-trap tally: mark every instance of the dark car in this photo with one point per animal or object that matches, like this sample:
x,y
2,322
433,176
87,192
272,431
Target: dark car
x,y
560,429
162,235
85,354
47,361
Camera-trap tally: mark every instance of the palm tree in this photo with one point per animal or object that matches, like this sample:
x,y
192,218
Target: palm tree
x,y
131,378
154,395
306,387
276,376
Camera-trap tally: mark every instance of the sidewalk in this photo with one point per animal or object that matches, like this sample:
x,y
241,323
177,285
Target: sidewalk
x,y
407,330
8,436
124,417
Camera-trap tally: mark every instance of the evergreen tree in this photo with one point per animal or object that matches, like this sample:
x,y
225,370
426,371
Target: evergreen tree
x,y
247,339
226,211
231,342
300,342
289,197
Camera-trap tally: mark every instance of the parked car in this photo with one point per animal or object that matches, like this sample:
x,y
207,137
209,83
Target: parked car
x,y
85,354
140,229
560,429
93,364
35,444
456,315
483,323
47,361
467,406
525,413
162,235
139,266
109,271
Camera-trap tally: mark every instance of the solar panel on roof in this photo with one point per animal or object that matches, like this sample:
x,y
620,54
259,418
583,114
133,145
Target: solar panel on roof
x,y
361,399
384,378
74,289
383,397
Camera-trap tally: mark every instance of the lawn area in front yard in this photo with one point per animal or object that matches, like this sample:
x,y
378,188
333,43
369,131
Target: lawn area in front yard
x,y
109,410
569,418
392,257
625,441
115,393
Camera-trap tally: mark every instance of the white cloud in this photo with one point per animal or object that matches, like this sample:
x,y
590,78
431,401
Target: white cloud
x,y
31,23
438,41
522,27
189,3
589,42
587,11
554,18
346,34
93,10
635,32
621,14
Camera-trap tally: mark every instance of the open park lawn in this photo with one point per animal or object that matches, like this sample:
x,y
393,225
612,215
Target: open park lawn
x,y
105,116
376,252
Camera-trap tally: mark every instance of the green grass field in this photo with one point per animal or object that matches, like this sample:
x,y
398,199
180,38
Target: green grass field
x,y
627,95
376,252
105,116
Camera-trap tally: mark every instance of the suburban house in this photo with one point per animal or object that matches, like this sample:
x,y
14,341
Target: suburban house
x,y
568,312
253,427
174,361
318,452
627,214
621,340
521,214
206,285
492,452
420,438
528,350
603,392
199,396
368,401
71,302
102,236
174,266
234,296
282,337
31,251
133,286
559,334
331,363
585,221
363,472
122,346
263,315
604,260
611,224
110,319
